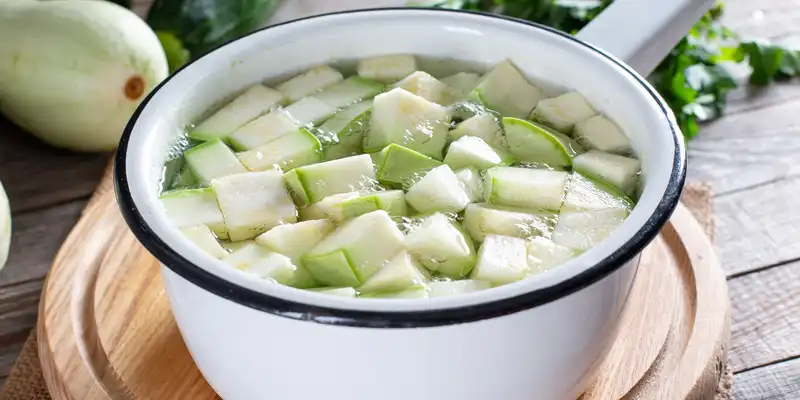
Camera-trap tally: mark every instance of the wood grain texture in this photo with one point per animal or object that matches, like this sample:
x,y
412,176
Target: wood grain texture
x,y
106,330
37,176
765,317
779,381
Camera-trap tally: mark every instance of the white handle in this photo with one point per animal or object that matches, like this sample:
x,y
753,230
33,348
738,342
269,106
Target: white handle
x,y
642,32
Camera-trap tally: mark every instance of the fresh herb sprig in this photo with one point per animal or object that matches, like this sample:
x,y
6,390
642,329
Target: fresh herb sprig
x,y
692,78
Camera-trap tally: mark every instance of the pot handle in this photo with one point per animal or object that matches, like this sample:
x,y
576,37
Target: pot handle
x,y
642,32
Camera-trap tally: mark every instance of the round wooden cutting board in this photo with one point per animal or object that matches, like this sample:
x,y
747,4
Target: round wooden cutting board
x,y
105,329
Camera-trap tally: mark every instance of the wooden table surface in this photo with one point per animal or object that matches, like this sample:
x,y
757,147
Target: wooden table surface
x,y
749,157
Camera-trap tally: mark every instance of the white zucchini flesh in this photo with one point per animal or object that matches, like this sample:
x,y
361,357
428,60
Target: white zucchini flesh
x,y
501,260
505,90
391,201
308,82
401,272
316,181
351,90
620,171
544,254
563,112
439,190
413,292
441,245
473,183
355,251
387,69
252,103
470,151
534,143
289,151
263,263
309,111
5,227
426,86
263,129
190,207
212,159
253,202
404,118
525,187
484,125
343,134
330,207
582,230
342,292
481,219
452,288
600,133
203,238
462,83
401,166
230,247
587,194
294,240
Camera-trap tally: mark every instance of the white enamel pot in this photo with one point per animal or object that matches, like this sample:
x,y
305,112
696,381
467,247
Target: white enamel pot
x,y
539,338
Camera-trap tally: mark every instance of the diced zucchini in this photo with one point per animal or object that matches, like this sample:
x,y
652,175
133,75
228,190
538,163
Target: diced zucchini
x,y
253,202
525,187
329,207
342,291
309,82
255,101
620,171
391,201
343,134
483,125
590,194
501,260
441,245
201,236
400,166
472,181
452,288
233,246
185,178
294,240
312,183
401,272
190,207
263,129
563,112
387,69
543,255
414,292
471,151
582,230
286,152
309,111
212,159
534,143
481,219
462,83
262,262
351,90
439,190
404,118
355,251
505,90
602,134
426,86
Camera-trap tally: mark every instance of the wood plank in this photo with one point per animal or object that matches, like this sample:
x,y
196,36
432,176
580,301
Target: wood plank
x,y
762,18
19,305
36,175
36,237
758,227
775,382
747,149
765,317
